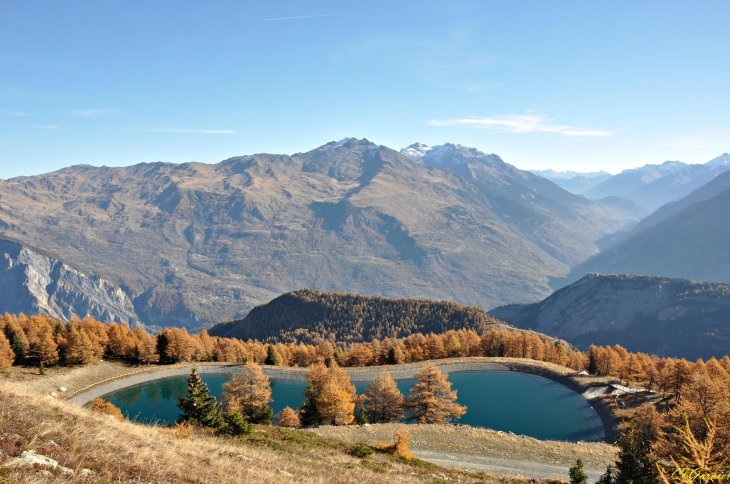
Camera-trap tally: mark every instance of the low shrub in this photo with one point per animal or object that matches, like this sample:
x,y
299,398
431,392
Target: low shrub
x,y
361,449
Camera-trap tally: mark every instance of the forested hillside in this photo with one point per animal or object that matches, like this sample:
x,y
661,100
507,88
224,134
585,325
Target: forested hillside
x,y
310,316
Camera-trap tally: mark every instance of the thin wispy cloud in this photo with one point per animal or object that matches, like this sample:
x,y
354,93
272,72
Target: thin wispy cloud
x,y
88,113
15,113
522,123
306,16
194,131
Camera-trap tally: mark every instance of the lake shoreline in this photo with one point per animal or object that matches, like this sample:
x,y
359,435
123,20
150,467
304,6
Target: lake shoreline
x,y
585,385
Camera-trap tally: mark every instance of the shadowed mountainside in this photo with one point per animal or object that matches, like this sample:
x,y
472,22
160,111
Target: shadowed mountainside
x,y
194,244
655,315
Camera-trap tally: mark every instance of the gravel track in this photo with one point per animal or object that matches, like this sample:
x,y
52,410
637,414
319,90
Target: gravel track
x,y
506,467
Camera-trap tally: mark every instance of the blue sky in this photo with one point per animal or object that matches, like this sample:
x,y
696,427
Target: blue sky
x,y
544,84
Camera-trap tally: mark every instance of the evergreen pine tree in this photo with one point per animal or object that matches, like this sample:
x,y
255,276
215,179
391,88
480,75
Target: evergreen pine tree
x,y
199,407
259,414
361,415
16,344
271,358
577,476
592,364
391,360
41,369
309,416
607,478
162,344
336,356
635,464
234,424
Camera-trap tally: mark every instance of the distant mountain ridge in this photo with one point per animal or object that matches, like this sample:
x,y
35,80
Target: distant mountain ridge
x,y
655,315
688,238
194,244
652,186
572,181
34,283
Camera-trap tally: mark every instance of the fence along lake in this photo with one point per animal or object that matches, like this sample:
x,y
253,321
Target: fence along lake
x,y
499,400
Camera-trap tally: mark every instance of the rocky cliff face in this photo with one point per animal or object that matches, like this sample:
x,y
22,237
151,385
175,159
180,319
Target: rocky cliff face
x,y
33,283
667,317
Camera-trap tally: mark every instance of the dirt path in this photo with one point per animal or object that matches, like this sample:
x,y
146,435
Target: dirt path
x,y
506,467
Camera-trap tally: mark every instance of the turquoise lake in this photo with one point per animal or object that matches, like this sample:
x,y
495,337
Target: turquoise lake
x,y
508,401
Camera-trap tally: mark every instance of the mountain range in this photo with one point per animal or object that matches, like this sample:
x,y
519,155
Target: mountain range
x,y
193,244
572,181
688,238
655,315
652,186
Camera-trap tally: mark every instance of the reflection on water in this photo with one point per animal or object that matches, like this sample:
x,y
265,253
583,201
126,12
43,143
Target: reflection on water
x,y
508,401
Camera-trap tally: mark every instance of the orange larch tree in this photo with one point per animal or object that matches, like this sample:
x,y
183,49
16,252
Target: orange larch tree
x,y
431,399
7,357
79,349
252,389
383,400
288,418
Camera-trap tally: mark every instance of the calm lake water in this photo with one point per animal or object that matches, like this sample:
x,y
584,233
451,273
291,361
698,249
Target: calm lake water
x,y
508,401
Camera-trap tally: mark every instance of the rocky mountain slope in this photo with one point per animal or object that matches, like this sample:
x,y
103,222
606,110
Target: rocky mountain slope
x,y
194,244
33,283
656,315
689,238
652,186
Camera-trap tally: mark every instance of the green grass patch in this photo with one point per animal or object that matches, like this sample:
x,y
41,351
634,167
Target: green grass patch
x,y
261,439
415,462
381,467
306,440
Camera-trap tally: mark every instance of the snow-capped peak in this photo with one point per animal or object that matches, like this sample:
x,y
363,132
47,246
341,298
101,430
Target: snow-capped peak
x,y
722,160
416,152
349,143
445,154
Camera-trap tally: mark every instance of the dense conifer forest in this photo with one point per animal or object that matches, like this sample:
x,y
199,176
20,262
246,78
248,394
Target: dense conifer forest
x,y
309,316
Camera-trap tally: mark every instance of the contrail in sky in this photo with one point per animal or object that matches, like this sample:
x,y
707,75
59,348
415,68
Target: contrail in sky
x,y
305,16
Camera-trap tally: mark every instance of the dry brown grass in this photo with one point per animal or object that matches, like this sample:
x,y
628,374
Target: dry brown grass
x,y
458,439
121,451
